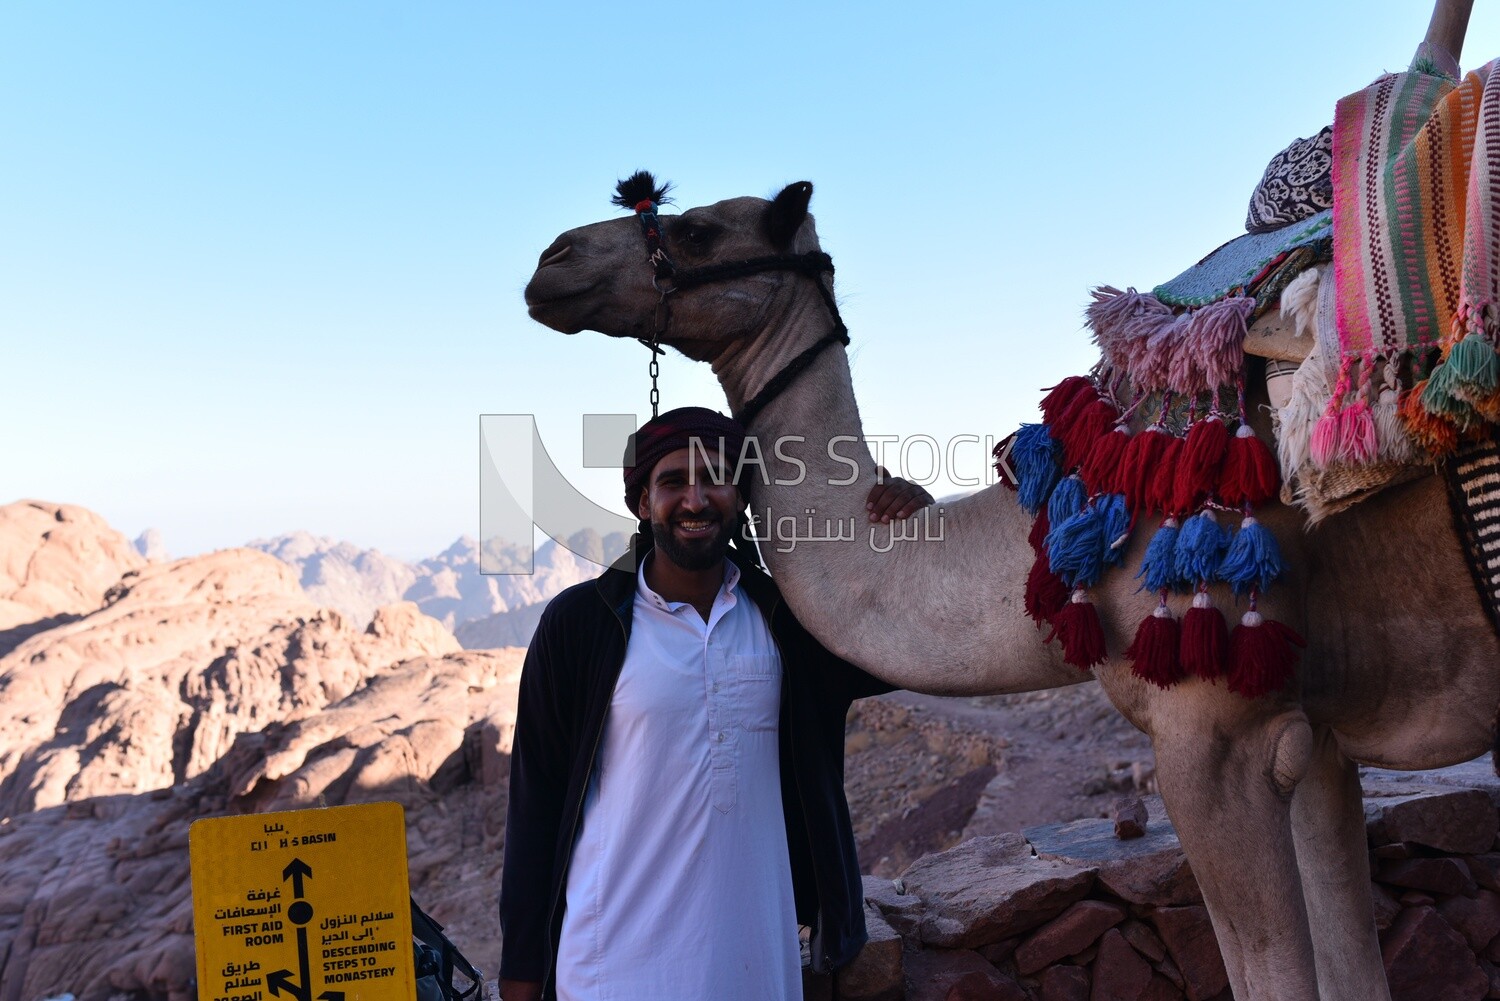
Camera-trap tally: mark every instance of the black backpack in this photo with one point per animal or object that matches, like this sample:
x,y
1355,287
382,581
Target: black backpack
x,y
437,959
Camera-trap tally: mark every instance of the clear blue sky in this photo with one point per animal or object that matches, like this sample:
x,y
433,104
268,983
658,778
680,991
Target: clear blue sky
x,y
261,264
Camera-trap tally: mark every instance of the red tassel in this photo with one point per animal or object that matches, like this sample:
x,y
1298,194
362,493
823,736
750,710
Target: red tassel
x,y
1101,469
1159,492
1205,639
1040,526
1077,626
1046,594
1198,471
1142,459
1092,424
1062,425
1059,396
1250,475
1154,652
1262,655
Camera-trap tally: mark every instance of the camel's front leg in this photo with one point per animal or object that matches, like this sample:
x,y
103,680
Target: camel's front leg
x,y
1328,822
1227,768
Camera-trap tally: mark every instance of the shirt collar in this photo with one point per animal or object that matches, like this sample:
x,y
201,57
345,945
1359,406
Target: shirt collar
x,y
646,593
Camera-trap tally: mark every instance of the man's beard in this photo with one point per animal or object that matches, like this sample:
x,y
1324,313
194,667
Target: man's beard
x,y
693,554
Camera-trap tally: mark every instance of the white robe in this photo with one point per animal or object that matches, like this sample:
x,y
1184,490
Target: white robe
x,y
680,888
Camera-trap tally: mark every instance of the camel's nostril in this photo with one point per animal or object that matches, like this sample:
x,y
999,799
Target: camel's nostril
x,y
559,251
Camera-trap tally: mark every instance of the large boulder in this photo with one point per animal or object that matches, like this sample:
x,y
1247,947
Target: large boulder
x,y
989,889
56,562
1151,870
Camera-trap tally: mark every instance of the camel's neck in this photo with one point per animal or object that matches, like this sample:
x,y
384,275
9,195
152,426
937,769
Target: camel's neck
x,y
962,578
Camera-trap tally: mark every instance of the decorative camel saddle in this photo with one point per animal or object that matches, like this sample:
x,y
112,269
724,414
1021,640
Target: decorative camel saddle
x,y
1402,198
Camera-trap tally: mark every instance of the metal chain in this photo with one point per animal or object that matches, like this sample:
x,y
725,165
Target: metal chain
x,y
655,369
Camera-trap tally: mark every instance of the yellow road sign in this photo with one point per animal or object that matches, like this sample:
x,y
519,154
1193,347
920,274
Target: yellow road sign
x,y
307,905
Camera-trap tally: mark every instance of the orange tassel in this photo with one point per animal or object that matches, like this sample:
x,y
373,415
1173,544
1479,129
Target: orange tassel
x,y
1434,433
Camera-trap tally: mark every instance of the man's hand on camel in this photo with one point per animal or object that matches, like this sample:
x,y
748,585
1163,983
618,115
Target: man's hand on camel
x,y
893,498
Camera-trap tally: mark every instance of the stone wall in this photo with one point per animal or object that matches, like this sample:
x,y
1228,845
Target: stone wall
x,y
1070,912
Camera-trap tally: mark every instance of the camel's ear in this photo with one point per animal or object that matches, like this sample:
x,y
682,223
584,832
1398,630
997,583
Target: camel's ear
x,y
787,212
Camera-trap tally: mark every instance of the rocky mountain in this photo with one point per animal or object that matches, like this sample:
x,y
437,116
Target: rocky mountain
x,y
205,686
449,586
56,562
150,545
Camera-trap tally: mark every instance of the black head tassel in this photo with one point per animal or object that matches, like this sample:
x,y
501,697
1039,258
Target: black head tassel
x,y
640,187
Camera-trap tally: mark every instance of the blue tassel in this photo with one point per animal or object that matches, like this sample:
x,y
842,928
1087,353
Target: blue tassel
x,y
1116,527
1254,558
1067,499
1037,461
1200,547
1075,548
1159,565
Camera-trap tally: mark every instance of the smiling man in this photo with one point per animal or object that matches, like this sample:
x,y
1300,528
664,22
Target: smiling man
x,y
676,794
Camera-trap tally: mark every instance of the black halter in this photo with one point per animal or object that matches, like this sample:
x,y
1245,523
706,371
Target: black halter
x,y
667,278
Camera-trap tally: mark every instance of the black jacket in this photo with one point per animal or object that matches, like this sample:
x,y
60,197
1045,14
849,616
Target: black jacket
x,y
566,686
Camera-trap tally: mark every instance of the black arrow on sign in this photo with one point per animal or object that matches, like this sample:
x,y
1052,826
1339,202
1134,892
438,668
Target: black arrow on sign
x,y
302,966
281,981
296,870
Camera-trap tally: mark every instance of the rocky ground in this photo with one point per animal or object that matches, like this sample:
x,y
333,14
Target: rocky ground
x,y
924,773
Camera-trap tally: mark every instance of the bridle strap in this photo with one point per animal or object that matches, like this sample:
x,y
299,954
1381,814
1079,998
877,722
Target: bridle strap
x,y
781,380
668,278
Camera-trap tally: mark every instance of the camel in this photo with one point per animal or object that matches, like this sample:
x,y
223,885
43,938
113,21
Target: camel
x,y
1400,669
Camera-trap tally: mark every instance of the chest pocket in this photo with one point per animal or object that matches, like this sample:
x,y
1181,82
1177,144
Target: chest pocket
x,y
757,685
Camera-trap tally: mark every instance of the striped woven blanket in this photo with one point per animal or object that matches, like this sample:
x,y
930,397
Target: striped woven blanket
x,y
1416,220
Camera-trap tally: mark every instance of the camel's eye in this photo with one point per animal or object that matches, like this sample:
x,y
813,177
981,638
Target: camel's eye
x,y
696,235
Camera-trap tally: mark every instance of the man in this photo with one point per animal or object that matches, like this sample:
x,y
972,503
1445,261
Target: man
x,y
676,793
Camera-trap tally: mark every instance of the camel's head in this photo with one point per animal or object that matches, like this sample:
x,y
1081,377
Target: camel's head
x,y
597,277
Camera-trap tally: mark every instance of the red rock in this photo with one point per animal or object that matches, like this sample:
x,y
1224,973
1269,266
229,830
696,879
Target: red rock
x,y
1129,815
1493,972
1446,876
901,910
988,889
877,973
1001,952
1065,983
1070,932
1387,907
1485,869
957,975
1120,974
1461,821
1476,918
1169,969
1150,870
1143,940
1161,989
1189,937
1426,960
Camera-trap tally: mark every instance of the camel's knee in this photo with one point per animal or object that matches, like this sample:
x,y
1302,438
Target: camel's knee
x,y
1291,752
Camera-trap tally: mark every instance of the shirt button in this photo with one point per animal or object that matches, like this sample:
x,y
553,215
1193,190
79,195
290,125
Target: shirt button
x,y
721,736
714,687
